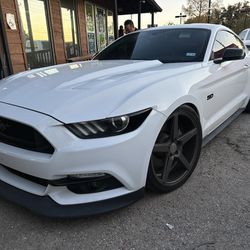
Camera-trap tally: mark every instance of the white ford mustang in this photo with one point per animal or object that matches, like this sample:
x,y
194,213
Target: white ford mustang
x,y
86,138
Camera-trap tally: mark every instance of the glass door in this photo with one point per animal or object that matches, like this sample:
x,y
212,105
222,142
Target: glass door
x,y
37,42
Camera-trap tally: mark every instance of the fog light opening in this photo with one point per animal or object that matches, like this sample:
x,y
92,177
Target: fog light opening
x,y
93,183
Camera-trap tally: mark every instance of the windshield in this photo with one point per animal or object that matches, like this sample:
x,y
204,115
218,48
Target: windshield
x,y
166,45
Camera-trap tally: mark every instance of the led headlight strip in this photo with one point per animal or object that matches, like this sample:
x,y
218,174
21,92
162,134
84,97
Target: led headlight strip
x,y
110,126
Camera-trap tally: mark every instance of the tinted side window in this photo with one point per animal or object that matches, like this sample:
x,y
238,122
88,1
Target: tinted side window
x,y
122,49
224,40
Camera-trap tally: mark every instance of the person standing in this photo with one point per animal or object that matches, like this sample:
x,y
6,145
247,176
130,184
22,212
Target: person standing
x,y
129,26
121,31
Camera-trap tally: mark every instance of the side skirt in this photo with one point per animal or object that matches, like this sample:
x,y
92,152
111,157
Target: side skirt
x,y
218,130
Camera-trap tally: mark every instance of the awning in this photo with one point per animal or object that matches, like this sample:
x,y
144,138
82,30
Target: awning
x,y
128,7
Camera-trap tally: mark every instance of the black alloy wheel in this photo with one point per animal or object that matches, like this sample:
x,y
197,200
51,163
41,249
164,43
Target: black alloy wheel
x,y
176,151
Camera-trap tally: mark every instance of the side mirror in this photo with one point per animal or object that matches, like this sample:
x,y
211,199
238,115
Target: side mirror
x,y
231,54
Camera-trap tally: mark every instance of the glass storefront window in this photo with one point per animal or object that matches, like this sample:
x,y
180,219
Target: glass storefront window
x,y
101,29
68,9
36,33
90,22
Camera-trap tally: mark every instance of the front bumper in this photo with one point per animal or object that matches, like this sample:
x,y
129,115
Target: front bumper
x,y
125,157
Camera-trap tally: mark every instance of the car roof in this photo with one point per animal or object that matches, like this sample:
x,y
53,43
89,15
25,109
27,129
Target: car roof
x,y
245,30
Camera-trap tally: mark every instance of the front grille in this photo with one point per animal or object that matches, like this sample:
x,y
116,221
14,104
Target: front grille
x,y
23,136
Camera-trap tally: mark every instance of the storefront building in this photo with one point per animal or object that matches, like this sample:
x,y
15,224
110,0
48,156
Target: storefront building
x,y
39,33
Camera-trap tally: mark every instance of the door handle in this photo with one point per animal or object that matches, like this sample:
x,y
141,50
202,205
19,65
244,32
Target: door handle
x,y
246,66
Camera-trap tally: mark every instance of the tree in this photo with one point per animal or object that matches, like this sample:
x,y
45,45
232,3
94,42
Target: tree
x,y
197,10
215,18
171,23
236,16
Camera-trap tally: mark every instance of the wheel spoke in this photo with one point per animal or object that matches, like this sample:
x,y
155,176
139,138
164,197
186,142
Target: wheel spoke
x,y
184,161
175,127
188,136
168,167
164,137
162,147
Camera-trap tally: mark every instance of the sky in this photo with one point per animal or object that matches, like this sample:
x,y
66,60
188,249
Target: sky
x,y
171,8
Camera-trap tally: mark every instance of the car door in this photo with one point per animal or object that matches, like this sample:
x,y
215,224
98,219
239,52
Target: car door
x,y
224,90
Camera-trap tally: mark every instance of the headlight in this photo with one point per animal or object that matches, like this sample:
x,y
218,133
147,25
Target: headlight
x,y
110,126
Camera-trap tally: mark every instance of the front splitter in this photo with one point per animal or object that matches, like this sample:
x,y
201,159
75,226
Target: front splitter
x,y
45,206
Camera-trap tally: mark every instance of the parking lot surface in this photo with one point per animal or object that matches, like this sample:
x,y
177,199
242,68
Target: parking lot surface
x,y
211,211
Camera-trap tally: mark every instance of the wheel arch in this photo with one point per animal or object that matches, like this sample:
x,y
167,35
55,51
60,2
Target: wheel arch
x,y
189,101
192,106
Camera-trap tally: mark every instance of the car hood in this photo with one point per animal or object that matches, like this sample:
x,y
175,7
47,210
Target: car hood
x,y
86,90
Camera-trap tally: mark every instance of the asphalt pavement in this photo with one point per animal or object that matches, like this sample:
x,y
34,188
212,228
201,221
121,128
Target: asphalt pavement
x,y
211,211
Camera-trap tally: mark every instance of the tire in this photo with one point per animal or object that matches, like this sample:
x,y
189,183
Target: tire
x,y
247,109
176,151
